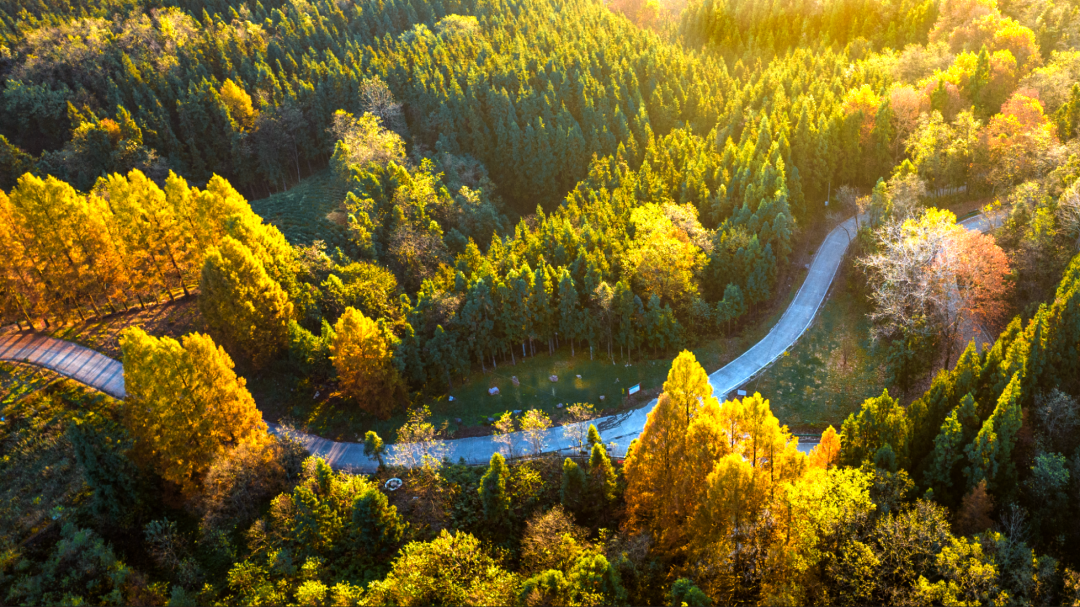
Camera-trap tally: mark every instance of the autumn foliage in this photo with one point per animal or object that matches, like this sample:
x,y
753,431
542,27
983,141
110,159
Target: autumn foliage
x,y
185,405
363,356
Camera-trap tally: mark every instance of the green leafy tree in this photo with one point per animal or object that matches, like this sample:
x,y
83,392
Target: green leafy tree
x,y
374,446
881,425
602,479
574,486
493,494
685,592
452,569
101,448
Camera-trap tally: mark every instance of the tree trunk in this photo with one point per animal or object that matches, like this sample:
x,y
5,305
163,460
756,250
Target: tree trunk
x,y
514,360
93,304
494,365
571,348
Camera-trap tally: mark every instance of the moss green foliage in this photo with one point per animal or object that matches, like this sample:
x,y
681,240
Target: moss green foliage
x,y
451,570
493,494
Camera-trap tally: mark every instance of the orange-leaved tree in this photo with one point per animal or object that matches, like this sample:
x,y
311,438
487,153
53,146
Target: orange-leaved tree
x,y
185,405
827,452
363,356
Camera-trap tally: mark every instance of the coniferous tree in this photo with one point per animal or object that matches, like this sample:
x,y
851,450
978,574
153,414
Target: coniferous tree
x,y
185,404
493,494
242,304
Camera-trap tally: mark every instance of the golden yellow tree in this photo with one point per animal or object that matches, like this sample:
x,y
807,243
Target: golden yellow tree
x,y
67,236
239,103
185,405
658,468
23,292
146,224
826,453
242,304
363,356
742,531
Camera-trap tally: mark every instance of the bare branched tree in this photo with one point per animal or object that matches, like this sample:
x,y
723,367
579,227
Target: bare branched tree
x,y
418,445
577,429
1058,413
504,429
906,193
377,100
535,424
1068,211
931,276
365,140
911,276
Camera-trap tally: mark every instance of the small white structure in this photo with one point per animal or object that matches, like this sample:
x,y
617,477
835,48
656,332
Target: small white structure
x,y
553,378
394,484
634,389
493,391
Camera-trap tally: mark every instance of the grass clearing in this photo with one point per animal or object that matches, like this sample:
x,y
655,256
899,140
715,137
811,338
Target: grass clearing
x,y
309,211
19,380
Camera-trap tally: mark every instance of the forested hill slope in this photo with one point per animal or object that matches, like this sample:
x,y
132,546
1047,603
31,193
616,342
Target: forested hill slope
x,y
531,88
1000,423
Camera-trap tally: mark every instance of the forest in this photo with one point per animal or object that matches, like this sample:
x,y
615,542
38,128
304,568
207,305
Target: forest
x,y
505,183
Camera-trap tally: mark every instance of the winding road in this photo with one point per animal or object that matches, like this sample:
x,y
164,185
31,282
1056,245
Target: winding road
x,y
105,374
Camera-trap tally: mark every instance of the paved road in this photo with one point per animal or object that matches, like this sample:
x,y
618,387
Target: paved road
x,y
106,374
68,359
619,430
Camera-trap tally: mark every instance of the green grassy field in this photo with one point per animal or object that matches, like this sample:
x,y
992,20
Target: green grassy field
x,y
294,398
17,381
829,372
302,212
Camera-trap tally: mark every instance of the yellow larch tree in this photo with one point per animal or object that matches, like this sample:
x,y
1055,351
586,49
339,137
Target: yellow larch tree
x,y
362,352
68,237
148,226
658,466
239,103
185,405
827,452
23,293
243,306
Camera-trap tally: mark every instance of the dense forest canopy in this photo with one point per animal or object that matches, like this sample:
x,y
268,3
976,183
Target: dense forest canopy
x,y
519,179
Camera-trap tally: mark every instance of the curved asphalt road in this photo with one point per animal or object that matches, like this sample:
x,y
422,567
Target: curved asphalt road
x,y
106,374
